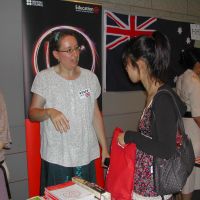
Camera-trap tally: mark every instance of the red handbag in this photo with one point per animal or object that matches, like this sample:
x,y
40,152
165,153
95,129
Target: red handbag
x,y
120,174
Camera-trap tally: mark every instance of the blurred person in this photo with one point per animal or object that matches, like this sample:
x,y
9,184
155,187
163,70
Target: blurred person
x,y
188,88
5,140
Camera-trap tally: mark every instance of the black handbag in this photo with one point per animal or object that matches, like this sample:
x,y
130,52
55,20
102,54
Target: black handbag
x,y
170,175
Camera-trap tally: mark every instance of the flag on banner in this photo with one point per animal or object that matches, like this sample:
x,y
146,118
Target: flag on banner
x,y
119,28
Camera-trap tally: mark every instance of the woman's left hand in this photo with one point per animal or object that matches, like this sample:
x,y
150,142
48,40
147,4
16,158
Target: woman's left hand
x,y
197,160
121,139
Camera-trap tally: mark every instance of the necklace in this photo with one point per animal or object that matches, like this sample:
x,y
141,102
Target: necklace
x,y
149,99
151,93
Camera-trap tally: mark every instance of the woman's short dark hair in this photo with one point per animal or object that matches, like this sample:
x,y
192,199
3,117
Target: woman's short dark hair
x,y
189,57
56,36
155,50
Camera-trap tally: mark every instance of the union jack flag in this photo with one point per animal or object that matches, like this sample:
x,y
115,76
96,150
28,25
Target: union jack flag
x,y
123,31
118,28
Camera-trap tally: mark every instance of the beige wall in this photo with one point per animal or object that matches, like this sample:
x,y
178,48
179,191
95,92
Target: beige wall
x,y
119,109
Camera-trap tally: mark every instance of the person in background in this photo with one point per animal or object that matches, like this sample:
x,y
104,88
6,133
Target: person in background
x,y
65,102
146,60
188,88
5,140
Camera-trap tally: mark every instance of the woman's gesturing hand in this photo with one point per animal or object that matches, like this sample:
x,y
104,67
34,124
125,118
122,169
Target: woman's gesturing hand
x,y
60,122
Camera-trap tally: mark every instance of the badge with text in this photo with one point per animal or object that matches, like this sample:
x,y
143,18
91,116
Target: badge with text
x,y
85,93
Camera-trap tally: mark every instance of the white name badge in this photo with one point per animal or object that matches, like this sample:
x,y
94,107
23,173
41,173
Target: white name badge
x,y
85,93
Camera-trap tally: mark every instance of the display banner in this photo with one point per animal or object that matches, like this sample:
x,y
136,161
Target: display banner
x,y
40,18
118,28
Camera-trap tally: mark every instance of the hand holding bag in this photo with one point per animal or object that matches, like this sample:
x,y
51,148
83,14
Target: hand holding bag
x,y
170,175
120,174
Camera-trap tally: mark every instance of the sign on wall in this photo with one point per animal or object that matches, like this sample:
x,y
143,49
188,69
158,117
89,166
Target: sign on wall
x,y
195,31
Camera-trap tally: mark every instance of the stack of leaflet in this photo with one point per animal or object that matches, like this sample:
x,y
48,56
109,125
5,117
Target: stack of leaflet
x,y
77,189
68,191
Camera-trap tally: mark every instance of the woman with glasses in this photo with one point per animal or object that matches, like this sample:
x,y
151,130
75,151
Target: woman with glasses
x,y
65,102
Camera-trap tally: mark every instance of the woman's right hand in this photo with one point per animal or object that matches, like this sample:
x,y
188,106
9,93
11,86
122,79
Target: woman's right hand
x,y
60,122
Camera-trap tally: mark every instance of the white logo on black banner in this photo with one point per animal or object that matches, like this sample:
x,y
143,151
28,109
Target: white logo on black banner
x,y
34,3
87,9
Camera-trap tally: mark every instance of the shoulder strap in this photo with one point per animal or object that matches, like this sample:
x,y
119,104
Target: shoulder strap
x,y
180,120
